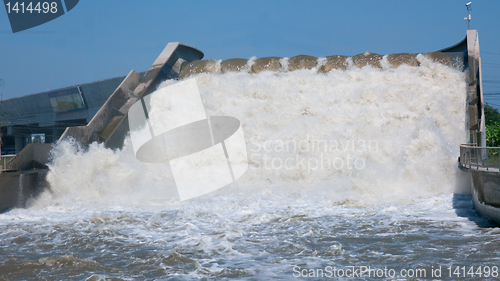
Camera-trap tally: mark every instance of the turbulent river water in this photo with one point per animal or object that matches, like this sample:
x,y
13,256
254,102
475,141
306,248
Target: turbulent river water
x,y
352,174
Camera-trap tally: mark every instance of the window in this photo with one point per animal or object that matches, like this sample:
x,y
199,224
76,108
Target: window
x,y
37,138
66,99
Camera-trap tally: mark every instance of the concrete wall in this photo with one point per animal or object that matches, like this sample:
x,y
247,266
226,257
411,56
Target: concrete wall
x,y
17,188
476,122
31,157
486,194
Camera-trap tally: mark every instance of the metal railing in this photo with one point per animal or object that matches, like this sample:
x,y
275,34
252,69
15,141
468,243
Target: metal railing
x,y
5,161
479,157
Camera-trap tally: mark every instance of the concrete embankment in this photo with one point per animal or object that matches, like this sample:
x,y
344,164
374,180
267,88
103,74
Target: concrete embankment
x,y
23,177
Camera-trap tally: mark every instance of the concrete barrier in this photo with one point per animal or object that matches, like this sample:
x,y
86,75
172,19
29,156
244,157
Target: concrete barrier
x,y
440,57
199,66
403,58
367,59
302,62
268,63
234,65
335,62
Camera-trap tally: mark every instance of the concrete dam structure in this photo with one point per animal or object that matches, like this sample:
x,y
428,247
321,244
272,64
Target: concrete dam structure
x,y
109,123
479,161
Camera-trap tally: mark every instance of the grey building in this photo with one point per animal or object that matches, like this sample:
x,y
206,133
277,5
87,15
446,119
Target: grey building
x,y
43,117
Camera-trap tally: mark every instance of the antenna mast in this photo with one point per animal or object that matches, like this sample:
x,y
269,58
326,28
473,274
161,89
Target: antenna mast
x,y
468,14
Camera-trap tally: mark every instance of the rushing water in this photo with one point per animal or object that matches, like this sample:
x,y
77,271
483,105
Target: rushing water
x,y
353,168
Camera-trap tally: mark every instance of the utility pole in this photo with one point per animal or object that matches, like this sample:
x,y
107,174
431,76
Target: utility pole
x,y
468,14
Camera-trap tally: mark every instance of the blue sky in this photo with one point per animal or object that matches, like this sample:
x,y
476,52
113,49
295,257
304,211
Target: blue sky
x,y
103,39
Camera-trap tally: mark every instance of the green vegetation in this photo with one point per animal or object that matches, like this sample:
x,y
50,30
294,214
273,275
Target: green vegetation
x,y
492,122
491,115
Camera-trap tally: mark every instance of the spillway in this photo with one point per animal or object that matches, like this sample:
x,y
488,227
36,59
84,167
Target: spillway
x,y
367,134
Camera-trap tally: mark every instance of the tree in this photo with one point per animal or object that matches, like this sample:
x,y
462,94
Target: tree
x,y
491,115
492,122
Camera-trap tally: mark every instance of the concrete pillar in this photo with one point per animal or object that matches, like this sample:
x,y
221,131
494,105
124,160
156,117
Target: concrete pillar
x,y
20,143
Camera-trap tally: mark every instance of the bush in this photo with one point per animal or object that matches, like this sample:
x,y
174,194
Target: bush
x,y
493,134
492,122
491,115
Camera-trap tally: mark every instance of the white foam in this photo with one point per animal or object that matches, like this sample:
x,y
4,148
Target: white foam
x,y
410,120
